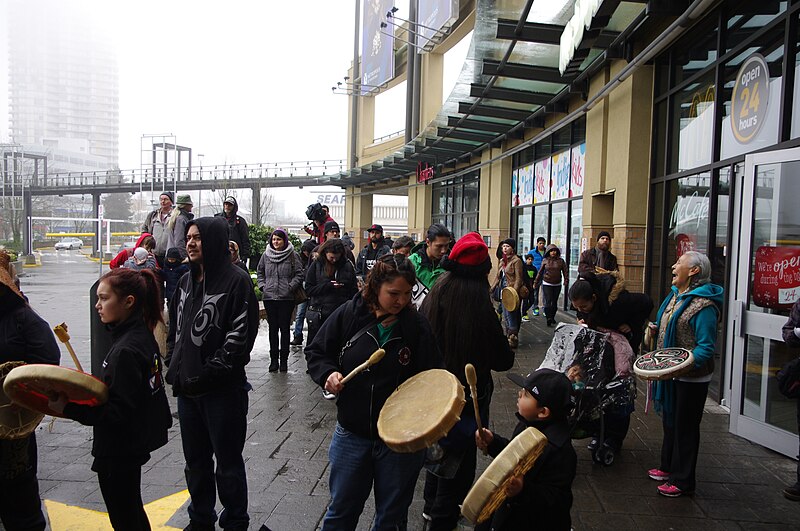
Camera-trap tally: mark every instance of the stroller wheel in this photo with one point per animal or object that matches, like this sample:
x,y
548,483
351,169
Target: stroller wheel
x,y
604,455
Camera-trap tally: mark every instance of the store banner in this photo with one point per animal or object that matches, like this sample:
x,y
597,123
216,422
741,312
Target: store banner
x,y
577,169
776,279
541,181
435,16
522,186
377,45
750,98
561,177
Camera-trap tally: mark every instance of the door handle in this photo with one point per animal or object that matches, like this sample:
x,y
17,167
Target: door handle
x,y
740,316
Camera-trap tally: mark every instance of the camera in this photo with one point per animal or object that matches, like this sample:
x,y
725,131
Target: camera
x,y
316,212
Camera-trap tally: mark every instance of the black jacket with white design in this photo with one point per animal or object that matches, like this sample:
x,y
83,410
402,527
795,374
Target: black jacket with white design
x,y
411,349
213,323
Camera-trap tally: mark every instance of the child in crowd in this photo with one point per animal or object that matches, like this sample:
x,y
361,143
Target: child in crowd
x,y
174,269
543,497
141,259
529,273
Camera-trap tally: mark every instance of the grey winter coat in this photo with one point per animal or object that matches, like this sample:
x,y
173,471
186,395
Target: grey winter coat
x,y
279,274
152,225
176,238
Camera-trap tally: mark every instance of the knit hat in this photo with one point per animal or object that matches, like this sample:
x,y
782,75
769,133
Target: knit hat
x,y
184,199
5,274
168,194
604,233
468,257
511,242
140,255
550,389
348,242
174,253
329,226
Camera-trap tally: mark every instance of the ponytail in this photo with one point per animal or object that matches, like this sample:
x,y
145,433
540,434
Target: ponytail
x,y
143,286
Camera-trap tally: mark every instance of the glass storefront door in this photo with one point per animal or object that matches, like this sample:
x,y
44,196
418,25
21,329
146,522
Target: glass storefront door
x,y
765,283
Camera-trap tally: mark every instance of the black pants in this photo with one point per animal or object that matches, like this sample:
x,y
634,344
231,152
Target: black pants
x,y
444,496
279,319
551,294
616,426
121,486
798,430
682,440
20,506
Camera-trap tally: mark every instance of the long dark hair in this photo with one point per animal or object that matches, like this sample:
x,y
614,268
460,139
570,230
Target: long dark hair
x,y
334,245
143,286
458,308
387,268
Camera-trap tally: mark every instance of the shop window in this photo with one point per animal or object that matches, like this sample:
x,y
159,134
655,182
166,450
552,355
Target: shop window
x,y
659,137
695,52
523,234
541,223
575,234
745,17
693,124
561,139
579,130
689,203
751,107
662,75
542,149
455,204
559,235
795,131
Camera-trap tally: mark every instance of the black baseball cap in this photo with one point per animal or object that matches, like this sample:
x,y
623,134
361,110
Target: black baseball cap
x,y
375,228
550,389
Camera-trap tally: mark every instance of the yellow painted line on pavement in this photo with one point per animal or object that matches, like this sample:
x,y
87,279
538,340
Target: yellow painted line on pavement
x,y
65,517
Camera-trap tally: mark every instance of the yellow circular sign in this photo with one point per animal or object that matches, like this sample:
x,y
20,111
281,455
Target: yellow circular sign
x,y
750,98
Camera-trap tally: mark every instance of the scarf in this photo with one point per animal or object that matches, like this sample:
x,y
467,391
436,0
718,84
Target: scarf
x,y
276,256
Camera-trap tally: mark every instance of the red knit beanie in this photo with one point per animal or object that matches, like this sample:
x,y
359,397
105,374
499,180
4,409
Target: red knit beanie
x,y
470,250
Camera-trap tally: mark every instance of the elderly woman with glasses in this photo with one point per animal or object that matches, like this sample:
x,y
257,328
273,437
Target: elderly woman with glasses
x,y
687,319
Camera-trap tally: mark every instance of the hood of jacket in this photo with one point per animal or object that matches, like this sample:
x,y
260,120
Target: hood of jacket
x,y
550,248
214,237
142,237
712,292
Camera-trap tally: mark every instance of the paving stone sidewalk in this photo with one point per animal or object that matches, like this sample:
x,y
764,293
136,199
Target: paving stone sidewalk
x,y
739,483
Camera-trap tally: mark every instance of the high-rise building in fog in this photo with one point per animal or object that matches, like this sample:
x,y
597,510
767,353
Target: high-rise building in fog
x,y
63,82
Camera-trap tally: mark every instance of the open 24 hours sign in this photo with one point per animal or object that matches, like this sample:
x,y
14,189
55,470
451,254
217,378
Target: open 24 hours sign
x,y
776,282
750,98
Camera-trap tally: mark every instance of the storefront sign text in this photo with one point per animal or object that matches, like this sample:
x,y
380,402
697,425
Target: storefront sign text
x,y
424,172
750,98
776,283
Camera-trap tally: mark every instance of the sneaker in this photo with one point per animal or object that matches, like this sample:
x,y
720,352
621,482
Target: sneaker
x,y
536,311
658,475
526,318
297,340
328,396
670,491
593,444
426,517
792,493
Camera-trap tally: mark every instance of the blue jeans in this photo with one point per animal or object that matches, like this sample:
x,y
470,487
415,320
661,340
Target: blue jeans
x,y
214,425
301,315
512,320
356,463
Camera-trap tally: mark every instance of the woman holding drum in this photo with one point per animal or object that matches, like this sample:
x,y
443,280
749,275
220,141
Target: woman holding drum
x,y
135,419
472,335
379,318
686,319
24,336
510,274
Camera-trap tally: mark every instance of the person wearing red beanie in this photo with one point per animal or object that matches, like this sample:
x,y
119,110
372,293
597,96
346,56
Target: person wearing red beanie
x,y
466,329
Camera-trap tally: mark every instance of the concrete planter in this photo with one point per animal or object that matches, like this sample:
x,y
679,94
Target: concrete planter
x,y
19,267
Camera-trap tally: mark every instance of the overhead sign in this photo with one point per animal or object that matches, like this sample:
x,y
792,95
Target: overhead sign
x,y
571,37
776,279
425,172
377,46
750,98
435,16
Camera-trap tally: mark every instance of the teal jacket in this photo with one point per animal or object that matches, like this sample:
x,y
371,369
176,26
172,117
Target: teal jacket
x,y
427,272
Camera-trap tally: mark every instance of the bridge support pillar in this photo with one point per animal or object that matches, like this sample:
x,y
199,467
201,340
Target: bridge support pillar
x,y
96,214
27,226
255,217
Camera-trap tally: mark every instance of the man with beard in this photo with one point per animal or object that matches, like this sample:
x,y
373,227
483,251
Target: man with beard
x,y
371,252
156,225
237,226
213,322
598,257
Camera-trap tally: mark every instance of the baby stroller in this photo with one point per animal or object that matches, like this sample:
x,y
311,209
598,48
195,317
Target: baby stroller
x,y
602,382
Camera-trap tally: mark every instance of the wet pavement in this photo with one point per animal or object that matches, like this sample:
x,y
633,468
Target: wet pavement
x,y
289,428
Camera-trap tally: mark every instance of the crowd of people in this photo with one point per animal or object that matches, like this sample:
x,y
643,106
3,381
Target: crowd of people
x,y
428,305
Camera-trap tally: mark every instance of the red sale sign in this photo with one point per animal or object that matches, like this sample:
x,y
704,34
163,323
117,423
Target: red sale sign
x,y
776,282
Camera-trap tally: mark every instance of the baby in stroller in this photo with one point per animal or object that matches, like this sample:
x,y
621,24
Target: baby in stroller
x,y
598,362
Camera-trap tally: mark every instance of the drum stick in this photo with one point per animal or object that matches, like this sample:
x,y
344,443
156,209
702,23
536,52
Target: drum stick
x,y
63,336
472,380
373,359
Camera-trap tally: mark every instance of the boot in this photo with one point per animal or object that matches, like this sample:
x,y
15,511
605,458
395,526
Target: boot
x,y
513,340
273,362
284,361
297,340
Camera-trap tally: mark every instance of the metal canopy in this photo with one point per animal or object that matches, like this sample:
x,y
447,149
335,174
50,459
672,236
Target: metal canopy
x,y
510,80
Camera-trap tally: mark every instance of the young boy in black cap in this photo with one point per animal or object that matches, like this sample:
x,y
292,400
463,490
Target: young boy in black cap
x,y
543,497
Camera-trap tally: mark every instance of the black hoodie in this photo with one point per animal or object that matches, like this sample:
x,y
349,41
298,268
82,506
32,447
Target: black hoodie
x,y
411,350
213,323
238,231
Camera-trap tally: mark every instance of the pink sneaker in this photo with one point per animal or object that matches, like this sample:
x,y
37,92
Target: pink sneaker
x,y
658,475
670,491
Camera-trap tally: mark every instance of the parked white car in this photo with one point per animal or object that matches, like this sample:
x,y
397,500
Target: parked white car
x,y
69,243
